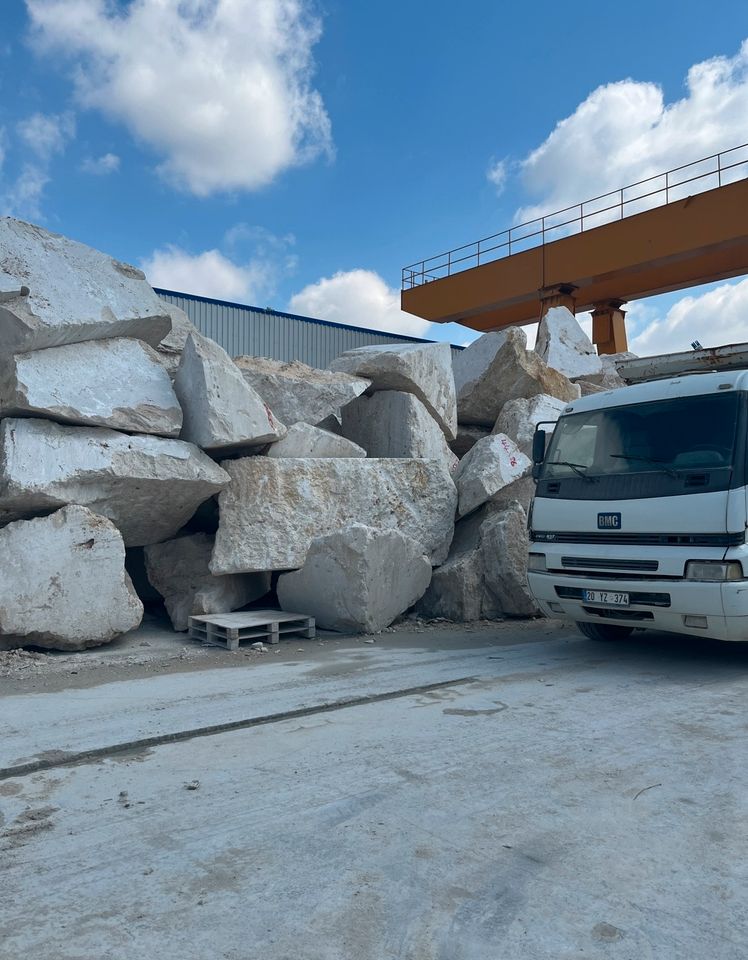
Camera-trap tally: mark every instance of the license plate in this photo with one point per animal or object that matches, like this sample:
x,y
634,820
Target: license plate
x,y
607,597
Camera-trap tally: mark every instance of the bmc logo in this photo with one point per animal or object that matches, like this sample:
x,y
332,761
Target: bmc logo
x,y
609,521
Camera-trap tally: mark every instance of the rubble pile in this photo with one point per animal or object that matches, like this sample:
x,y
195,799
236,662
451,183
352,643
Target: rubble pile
x,y
129,442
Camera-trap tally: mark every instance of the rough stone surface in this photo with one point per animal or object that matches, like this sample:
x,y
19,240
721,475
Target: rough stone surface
x,y
473,364
608,378
178,569
466,439
522,490
221,410
395,424
485,576
423,369
503,369
171,347
587,388
304,440
64,585
296,392
76,293
457,590
518,418
563,345
273,509
504,545
148,486
491,465
116,383
358,579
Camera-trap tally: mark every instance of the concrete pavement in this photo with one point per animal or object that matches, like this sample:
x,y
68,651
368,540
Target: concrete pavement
x,y
571,800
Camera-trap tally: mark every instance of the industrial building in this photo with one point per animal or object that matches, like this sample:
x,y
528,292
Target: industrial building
x,y
261,332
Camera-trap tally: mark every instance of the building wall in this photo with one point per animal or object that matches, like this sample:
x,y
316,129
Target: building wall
x,y
258,332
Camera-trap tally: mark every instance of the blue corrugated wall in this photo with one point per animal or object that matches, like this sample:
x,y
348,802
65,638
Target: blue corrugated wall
x,y
258,332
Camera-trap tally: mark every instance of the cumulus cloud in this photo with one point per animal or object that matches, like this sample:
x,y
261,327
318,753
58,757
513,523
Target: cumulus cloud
x,y
713,318
247,268
221,88
206,274
624,132
101,166
360,298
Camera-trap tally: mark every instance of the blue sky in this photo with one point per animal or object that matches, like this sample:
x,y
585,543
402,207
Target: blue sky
x,y
297,154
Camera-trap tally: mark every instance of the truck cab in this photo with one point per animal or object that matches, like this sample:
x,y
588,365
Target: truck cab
x,y
640,511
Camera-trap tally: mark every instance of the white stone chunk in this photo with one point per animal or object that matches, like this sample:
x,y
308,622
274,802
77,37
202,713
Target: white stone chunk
x,y
63,583
504,547
395,424
304,440
563,345
298,393
485,576
117,383
423,369
457,591
171,347
148,486
491,465
72,293
502,370
473,364
358,579
518,418
221,410
178,569
273,509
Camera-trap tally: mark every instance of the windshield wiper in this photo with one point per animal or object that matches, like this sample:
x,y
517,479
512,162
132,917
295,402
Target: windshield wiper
x,y
579,468
658,463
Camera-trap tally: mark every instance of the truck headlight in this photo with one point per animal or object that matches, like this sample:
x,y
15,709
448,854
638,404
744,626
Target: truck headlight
x,y
536,561
714,570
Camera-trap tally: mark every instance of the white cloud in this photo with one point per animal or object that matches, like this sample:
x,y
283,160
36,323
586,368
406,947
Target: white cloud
x,y
714,318
624,132
40,137
221,88
101,166
22,198
497,174
206,274
360,298
47,134
246,269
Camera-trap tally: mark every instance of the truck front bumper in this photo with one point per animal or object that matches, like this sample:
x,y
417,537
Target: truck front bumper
x,y
718,610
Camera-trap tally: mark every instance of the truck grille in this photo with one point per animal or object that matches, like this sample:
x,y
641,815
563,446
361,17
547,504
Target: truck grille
x,y
604,563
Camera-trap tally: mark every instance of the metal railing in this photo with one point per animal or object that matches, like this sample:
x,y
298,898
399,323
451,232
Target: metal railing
x,y
721,169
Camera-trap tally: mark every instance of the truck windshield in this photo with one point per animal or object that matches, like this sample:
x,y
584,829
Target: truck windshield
x,y
687,433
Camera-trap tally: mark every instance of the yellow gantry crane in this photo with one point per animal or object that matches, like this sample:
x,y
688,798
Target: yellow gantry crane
x,y
678,229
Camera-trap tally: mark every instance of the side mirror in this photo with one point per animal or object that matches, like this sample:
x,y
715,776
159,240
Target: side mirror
x,y
538,446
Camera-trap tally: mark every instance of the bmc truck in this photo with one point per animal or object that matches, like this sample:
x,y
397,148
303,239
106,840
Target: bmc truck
x,y
641,506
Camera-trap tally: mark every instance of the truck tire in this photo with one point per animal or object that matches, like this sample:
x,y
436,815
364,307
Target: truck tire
x,y
604,631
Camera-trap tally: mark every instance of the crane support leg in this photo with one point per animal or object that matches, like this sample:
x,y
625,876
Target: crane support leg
x,y
609,327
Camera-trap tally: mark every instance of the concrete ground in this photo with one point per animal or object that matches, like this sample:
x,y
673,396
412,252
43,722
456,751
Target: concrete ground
x,y
499,791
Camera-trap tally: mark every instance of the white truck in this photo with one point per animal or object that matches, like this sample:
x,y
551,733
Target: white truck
x,y
641,506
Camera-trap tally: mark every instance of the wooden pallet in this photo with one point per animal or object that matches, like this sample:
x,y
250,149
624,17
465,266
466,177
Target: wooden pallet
x,y
229,629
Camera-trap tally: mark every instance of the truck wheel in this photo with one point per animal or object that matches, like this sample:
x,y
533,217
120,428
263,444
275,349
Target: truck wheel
x,y
604,631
